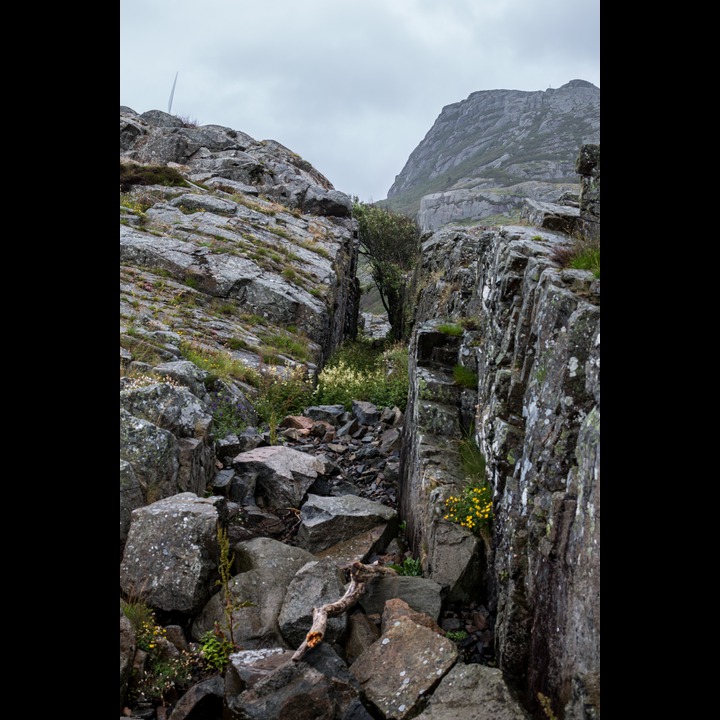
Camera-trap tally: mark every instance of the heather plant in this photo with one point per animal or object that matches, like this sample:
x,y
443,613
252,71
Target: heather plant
x,y
132,174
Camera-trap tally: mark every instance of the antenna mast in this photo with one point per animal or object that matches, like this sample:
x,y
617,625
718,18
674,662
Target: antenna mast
x,y
172,92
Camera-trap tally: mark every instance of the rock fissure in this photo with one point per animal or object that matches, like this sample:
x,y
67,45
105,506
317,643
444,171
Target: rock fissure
x,y
498,617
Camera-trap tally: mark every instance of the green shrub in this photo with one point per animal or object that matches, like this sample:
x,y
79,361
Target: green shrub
x,y
360,372
163,677
215,649
281,392
230,415
456,635
142,619
160,674
472,508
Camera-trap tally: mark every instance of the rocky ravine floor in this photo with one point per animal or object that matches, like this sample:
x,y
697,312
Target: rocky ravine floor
x,y
362,449
365,451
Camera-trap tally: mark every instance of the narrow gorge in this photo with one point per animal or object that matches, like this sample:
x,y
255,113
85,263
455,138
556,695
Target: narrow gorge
x,y
238,270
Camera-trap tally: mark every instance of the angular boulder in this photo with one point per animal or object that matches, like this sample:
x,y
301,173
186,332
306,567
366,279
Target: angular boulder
x,y
171,554
327,521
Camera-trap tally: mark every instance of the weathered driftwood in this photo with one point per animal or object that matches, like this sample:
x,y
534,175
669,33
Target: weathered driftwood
x,y
360,575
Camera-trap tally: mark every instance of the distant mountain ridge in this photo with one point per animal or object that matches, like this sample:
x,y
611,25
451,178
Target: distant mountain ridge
x,y
483,155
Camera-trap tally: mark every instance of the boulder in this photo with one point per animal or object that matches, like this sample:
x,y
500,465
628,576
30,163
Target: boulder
x,y
171,554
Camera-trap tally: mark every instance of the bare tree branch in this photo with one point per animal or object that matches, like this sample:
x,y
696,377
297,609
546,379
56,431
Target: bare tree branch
x,y
360,575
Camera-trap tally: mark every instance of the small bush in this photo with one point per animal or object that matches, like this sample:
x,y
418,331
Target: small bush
x,y
360,372
470,323
473,508
215,650
281,392
163,678
187,121
456,635
161,675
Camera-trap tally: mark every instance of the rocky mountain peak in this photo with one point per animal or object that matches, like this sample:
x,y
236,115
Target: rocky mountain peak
x,y
484,155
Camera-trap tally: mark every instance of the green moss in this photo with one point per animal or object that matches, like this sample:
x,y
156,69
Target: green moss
x,y
450,329
465,377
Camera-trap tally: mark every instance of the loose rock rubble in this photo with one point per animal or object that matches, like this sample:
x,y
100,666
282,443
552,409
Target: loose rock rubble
x,y
298,513
361,448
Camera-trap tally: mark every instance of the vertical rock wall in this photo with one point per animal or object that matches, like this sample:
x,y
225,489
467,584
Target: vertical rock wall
x,y
588,166
531,333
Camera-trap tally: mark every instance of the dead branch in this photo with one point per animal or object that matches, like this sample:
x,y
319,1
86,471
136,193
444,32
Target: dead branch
x,y
360,575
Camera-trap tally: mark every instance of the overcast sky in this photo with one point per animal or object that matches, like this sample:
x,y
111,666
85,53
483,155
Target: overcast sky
x,y
352,86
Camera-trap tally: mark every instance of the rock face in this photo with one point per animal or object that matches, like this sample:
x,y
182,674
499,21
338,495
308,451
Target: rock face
x,y
530,332
251,260
484,155
256,230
